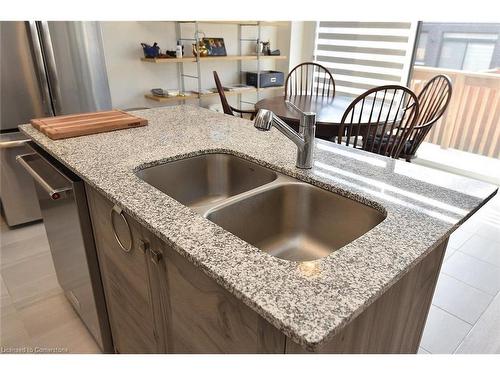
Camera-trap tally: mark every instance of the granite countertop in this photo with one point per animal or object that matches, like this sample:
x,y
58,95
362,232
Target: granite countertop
x,y
309,304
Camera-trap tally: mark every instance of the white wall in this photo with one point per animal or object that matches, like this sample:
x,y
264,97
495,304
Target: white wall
x,y
283,36
302,34
130,78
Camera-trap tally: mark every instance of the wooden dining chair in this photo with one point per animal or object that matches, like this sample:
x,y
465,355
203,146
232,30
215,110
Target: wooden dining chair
x,y
310,79
380,120
228,109
433,101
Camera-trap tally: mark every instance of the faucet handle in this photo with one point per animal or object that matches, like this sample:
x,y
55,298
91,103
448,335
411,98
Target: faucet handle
x,y
308,118
294,107
263,120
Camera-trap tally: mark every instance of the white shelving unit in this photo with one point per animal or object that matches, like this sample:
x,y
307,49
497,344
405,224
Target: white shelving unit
x,y
239,58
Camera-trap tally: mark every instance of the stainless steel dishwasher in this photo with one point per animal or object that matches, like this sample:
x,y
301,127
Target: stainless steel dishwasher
x,y
63,203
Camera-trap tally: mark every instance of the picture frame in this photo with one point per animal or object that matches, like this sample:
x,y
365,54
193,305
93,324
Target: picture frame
x,y
215,46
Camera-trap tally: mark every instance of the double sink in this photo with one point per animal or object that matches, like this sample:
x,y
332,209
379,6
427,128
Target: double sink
x,y
278,214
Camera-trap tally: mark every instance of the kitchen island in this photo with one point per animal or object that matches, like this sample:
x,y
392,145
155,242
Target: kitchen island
x,y
207,290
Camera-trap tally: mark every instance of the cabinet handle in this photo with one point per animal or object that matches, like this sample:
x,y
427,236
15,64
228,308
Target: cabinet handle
x,y
119,211
155,256
143,246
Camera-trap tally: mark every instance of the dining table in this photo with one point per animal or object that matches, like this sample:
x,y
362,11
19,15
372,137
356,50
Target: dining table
x,y
329,111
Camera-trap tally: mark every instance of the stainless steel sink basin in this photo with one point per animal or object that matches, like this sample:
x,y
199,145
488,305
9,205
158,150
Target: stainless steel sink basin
x,y
296,221
276,213
206,179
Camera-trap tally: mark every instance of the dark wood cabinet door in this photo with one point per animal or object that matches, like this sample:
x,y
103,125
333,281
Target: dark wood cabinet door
x,y
200,316
125,276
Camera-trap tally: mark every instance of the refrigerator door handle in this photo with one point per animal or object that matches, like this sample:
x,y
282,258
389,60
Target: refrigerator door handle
x,y
13,144
40,67
50,62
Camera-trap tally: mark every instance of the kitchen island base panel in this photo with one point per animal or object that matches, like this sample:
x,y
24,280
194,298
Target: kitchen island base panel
x,y
159,302
394,323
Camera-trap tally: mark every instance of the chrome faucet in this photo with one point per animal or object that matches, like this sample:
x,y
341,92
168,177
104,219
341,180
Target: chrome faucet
x,y
304,139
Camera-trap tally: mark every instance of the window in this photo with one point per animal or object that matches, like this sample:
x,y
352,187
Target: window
x,y
422,45
362,55
478,56
452,54
467,51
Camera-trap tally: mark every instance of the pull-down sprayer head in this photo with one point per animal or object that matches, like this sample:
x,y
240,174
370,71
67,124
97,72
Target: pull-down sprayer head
x,y
264,120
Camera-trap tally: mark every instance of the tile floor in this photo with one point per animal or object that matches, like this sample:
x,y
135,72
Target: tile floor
x,y
464,317
465,312
35,314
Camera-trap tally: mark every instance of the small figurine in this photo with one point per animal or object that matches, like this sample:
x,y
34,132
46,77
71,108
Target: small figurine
x,y
266,48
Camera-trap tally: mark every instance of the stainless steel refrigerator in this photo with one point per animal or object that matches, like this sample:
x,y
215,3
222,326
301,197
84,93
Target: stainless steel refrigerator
x,y
47,69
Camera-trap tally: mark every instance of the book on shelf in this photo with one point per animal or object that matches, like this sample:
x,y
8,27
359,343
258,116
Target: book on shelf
x,y
164,92
205,91
238,87
169,93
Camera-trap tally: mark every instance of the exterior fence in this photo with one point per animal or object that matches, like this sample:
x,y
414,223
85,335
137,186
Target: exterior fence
x,y
472,121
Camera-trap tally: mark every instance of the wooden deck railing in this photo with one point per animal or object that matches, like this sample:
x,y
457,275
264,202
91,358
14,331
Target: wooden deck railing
x,y
472,121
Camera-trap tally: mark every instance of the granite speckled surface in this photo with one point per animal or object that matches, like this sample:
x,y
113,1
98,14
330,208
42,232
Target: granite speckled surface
x,y
309,301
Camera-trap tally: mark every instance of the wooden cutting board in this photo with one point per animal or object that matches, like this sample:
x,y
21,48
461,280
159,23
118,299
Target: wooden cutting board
x,y
68,126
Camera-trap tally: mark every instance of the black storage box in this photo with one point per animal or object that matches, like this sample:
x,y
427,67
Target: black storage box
x,y
268,78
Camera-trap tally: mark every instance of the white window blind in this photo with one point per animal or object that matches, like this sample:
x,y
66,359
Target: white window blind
x,y
362,55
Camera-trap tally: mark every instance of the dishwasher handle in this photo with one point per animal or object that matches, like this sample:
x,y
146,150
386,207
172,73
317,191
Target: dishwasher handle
x,y
54,193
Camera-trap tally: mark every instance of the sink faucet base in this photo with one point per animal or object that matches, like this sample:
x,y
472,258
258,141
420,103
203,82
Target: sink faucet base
x,y
304,139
